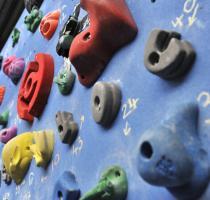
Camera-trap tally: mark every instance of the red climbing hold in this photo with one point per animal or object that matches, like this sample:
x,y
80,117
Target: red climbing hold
x,y
111,27
2,92
35,87
49,24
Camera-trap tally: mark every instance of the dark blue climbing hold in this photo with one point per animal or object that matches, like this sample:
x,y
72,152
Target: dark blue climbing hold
x,y
171,154
66,187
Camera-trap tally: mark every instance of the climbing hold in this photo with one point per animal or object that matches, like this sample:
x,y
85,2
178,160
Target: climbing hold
x,y
2,93
66,187
33,20
93,48
35,87
30,4
171,154
69,31
6,177
1,60
42,147
67,128
15,36
105,102
19,151
16,156
13,67
49,24
65,80
4,117
8,134
167,56
113,185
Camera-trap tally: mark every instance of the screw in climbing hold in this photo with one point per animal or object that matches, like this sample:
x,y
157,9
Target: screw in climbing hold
x,y
65,80
13,67
30,4
67,128
69,31
4,117
49,24
2,93
105,102
167,56
7,134
33,20
15,36
113,185
171,154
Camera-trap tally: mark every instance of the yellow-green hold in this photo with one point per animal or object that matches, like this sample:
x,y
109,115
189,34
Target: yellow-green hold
x,y
18,153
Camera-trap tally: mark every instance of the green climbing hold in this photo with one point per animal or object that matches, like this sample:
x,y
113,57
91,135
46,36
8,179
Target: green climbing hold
x,y
113,185
15,36
33,20
4,118
65,80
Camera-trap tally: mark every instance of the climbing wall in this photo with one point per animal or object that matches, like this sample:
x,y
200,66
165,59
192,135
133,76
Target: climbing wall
x,y
146,99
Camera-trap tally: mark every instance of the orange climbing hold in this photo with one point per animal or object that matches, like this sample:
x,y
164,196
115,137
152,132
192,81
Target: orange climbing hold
x,y
49,24
2,92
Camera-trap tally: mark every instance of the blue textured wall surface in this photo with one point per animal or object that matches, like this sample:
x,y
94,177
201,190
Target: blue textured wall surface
x,y
146,99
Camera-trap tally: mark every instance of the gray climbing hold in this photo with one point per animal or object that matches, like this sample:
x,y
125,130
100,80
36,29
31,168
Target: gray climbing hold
x,y
167,56
105,102
67,128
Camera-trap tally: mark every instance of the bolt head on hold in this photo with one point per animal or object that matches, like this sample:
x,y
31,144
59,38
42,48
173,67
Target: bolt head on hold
x,y
105,102
67,128
167,56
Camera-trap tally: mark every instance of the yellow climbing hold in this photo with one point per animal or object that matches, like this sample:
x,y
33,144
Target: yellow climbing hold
x,y
18,153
